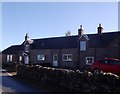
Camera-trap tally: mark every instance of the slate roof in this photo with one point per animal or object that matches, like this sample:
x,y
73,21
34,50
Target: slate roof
x,y
55,43
102,40
95,40
12,49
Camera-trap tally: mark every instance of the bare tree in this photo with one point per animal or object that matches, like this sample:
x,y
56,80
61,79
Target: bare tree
x,y
68,33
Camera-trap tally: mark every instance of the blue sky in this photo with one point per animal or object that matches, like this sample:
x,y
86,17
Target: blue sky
x,y
42,20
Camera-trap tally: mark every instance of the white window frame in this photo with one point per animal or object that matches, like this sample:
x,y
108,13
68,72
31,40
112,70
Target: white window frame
x,y
83,45
40,57
67,57
9,58
20,58
87,63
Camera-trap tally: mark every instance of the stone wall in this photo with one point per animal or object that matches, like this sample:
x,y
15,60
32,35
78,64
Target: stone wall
x,y
73,80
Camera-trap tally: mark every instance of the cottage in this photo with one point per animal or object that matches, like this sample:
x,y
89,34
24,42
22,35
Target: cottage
x,y
78,51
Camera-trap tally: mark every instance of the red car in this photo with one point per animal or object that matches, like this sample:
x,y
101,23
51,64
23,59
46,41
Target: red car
x,y
107,65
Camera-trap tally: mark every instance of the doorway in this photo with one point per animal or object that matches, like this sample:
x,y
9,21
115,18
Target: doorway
x,y
26,59
55,60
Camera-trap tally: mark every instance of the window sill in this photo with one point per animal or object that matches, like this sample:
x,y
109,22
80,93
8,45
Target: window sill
x,y
88,64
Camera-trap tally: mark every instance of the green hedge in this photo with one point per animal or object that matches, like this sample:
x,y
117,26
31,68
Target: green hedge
x,y
74,80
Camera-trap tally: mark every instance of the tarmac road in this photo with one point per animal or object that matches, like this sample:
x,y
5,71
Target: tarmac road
x,y
10,84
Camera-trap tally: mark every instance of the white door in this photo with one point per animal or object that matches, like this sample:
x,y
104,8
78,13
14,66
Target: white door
x,y
55,60
26,59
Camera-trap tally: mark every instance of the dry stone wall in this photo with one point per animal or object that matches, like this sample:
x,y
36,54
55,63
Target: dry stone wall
x,y
74,80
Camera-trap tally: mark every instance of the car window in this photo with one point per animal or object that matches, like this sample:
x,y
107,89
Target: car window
x,y
116,62
104,61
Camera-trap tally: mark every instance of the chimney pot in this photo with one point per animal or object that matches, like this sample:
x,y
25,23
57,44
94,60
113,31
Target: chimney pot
x,y
80,26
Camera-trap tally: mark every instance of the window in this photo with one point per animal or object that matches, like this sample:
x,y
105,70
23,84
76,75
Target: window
x,y
89,60
41,57
67,57
103,61
26,48
20,58
116,62
83,46
9,58
55,57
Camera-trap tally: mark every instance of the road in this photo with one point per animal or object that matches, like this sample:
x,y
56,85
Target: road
x,y
11,84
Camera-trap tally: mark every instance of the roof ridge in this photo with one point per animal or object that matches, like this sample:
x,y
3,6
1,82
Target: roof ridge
x,y
55,37
73,36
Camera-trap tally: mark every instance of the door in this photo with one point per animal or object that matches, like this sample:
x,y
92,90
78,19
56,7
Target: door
x,y
26,59
55,60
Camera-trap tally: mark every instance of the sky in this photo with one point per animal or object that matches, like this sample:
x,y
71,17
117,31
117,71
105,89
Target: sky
x,y
54,19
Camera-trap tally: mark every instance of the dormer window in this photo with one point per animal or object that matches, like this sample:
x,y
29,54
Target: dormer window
x,y
83,46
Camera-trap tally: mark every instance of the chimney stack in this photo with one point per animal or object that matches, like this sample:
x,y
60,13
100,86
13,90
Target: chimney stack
x,y
100,29
80,31
26,37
